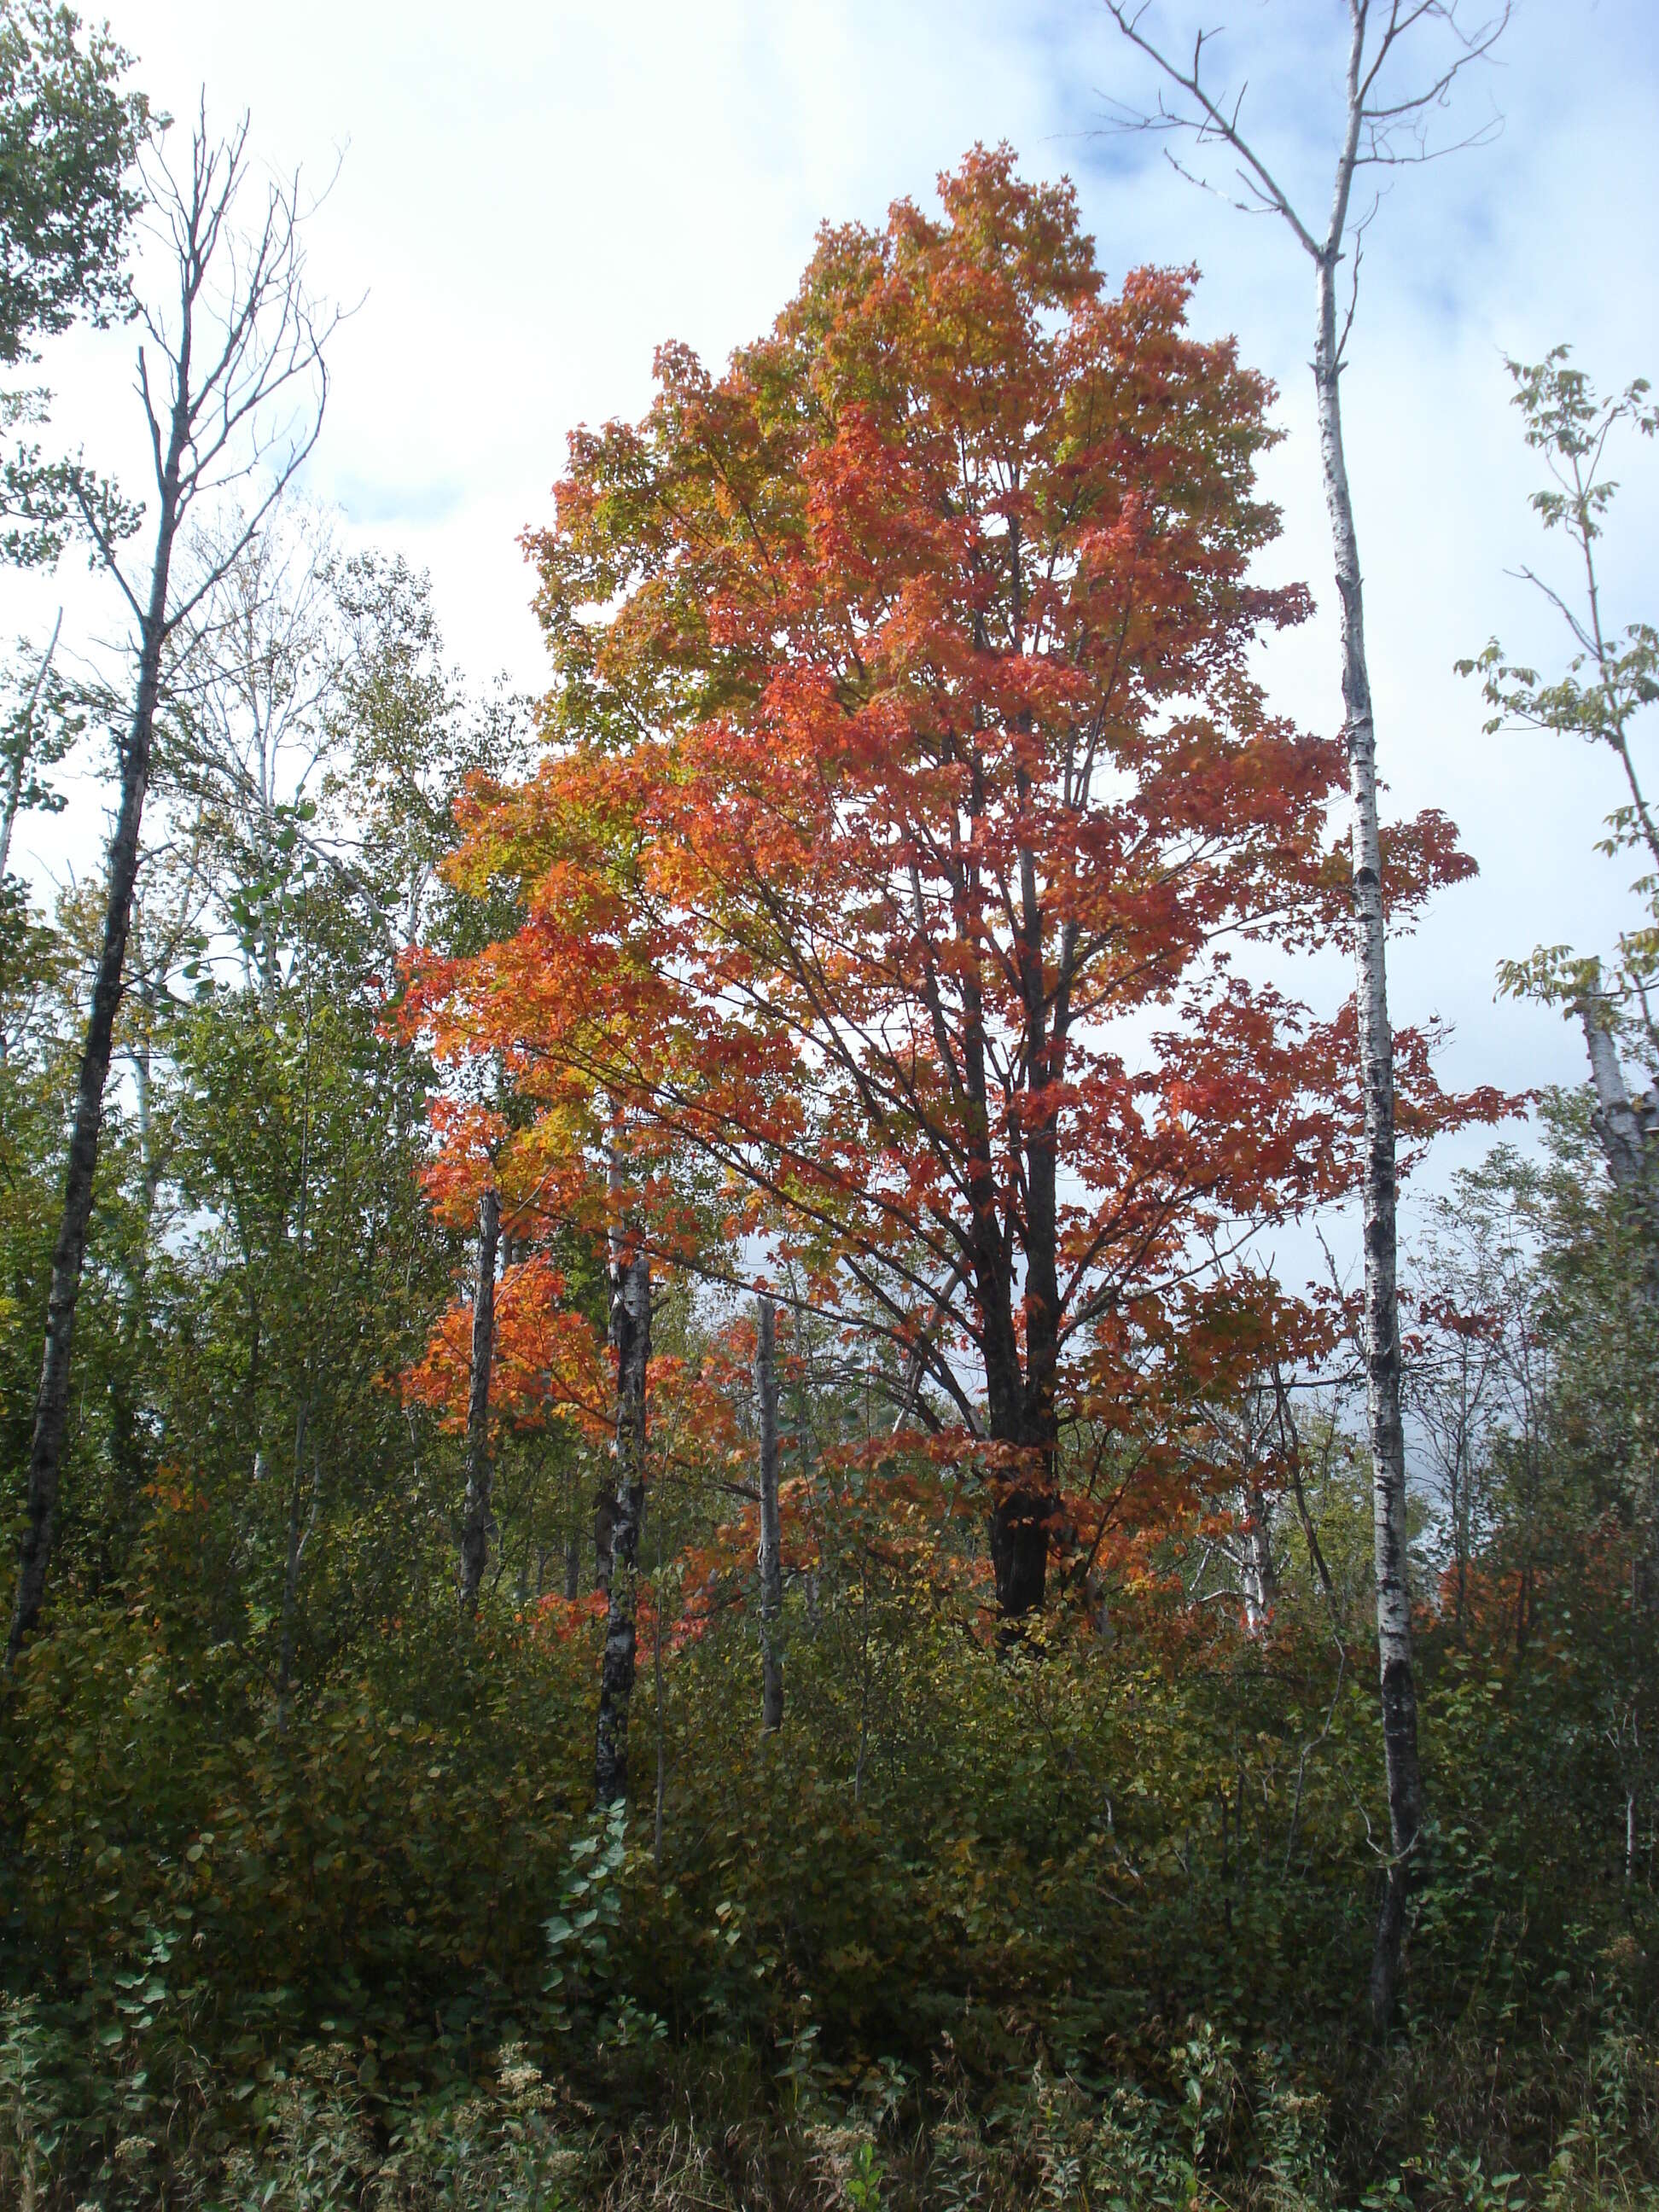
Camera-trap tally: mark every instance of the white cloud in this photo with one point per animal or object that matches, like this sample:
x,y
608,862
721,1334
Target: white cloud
x,y
534,195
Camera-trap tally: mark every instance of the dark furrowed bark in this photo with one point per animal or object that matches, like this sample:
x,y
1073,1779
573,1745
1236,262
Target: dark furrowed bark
x,y
1020,1525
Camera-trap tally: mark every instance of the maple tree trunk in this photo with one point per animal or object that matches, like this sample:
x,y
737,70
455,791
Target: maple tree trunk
x,y
770,1551
1021,1407
630,1341
1023,1521
1381,1331
474,1525
1018,1417
1020,1523
69,1253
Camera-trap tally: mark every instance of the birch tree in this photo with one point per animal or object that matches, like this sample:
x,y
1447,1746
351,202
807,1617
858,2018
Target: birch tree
x,y
232,382
1386,121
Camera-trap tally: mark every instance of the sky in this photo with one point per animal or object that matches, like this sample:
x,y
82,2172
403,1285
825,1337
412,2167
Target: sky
x,y
531,194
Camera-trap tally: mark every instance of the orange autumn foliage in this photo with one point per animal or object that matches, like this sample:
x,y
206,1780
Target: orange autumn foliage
x,y
910,794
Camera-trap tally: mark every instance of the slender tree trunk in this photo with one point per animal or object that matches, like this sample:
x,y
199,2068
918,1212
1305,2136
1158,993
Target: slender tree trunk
x,y
1385,128
298,1537
661,1697
770,1559
474,1525
69,1255
631,1342
1382,1318
1630,1845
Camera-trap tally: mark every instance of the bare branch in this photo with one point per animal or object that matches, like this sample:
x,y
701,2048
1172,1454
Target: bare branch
x,y
1211,119
1387,132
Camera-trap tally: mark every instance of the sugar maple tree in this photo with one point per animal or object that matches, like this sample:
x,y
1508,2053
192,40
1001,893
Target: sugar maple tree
x,y
907,786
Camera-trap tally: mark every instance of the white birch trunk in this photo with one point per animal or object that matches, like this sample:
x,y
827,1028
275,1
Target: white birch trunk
x,y
1381,1334
1261,1576
1626,1128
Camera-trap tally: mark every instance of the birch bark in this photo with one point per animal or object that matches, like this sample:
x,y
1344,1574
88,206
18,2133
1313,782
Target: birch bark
x,y
1381,1334
1626,1129
1384,125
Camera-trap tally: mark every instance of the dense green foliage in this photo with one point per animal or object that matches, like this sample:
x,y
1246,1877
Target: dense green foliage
x,y
70,132
68,137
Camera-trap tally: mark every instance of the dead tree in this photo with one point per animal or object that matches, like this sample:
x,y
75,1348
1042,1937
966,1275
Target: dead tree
x,y
232,381
1384,124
